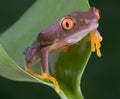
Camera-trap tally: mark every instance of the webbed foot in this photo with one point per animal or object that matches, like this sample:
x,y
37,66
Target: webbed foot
x,y
46,77
95,39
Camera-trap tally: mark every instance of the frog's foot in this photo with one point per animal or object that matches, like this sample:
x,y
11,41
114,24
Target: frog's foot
x,y
46,77
77,43
95,38
64,50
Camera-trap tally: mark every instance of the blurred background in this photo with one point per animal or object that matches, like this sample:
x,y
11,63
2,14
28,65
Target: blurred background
x,y
101,78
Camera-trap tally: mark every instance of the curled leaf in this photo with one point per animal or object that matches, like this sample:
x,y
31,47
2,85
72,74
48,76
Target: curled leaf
x,y
66,67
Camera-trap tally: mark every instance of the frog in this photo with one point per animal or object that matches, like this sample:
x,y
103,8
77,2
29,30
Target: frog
x,y
71,29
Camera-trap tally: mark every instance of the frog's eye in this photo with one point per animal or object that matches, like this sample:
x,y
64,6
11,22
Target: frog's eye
x,y
67,23
97,13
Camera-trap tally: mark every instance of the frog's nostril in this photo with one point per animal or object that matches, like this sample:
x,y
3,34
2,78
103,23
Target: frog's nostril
x,y
97,13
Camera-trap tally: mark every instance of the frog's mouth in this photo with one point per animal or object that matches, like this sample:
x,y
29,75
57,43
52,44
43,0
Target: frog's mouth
x,y
81,34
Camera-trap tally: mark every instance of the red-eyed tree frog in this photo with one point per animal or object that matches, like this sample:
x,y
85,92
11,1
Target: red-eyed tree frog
x,y
68,31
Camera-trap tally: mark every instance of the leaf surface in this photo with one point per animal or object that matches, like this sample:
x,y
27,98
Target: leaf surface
x,y
67,67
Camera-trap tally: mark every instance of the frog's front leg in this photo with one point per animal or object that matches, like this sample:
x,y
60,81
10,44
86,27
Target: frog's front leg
x,y
95,39
44,62
45,71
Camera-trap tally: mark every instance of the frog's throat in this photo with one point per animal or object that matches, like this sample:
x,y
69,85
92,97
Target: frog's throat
x,y
96,38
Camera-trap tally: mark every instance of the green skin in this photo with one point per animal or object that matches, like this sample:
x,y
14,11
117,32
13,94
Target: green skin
x,y
55,36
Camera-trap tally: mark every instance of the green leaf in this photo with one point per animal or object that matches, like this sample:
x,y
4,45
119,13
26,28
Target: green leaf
x,y
67,67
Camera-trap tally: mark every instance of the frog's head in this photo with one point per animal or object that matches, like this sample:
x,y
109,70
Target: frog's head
x,y
77,25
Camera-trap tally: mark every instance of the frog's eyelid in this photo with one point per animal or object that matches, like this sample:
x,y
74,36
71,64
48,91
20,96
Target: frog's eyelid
x,y
67,17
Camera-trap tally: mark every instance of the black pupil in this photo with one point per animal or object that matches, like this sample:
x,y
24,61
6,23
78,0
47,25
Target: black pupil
x,y
67,24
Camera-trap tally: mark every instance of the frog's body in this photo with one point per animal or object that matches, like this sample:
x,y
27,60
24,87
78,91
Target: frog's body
x,y
71,29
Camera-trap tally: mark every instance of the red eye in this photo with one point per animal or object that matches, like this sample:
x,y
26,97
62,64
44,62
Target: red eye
x,y
67,23
97,13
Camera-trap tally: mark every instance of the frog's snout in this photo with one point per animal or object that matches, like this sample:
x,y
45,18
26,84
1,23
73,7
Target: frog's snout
x,y
97,13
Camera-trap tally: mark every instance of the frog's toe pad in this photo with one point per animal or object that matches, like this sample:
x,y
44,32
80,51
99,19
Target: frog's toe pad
x,y
48,77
